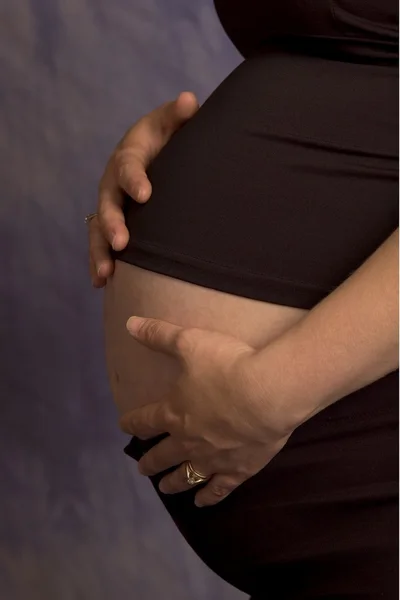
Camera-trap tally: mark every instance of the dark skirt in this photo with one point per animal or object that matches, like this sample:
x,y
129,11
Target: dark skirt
x,y
321,520
280,187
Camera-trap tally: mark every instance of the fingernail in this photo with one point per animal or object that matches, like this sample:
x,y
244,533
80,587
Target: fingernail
x,y
141,195
114,242
101,270
161,487
198,503
133,324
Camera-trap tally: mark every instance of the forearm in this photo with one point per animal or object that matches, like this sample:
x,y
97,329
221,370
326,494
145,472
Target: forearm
x,y
346,342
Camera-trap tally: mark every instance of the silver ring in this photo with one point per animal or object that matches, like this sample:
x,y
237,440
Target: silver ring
x,y
89,217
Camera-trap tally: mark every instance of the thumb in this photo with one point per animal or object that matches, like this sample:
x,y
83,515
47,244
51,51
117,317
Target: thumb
x,y
145,422
157,335
186,106
165,120
145,140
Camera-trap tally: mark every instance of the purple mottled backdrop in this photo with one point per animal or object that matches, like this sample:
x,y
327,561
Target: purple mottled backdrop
x,y
76,521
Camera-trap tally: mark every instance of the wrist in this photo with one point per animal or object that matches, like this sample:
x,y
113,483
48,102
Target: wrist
x,y
280,367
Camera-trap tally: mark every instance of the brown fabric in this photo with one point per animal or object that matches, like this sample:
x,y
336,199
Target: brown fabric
x,y
283,183
355,29
321,521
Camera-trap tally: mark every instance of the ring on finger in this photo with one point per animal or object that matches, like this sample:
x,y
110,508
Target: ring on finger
x,y
193,477
89,217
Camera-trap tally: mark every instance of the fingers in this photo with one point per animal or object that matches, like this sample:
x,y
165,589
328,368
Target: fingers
x,y
145,140
126,173
187,105
158,126
217,489
130,164
160,336
101,264
146,422
166,454
177,481
111,216
170,117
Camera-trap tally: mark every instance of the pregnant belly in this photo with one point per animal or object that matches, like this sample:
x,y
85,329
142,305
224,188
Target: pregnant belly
x,y
283,184
287,179
138,375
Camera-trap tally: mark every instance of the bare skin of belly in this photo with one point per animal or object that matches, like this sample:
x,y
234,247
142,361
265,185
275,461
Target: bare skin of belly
x,y
138,375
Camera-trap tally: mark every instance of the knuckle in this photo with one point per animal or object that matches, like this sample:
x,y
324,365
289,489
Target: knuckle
x,y
145,467
171,420
184,340
243,472
120,162
120,156
107,213
219,491
151,329
124,159
106,232
224,487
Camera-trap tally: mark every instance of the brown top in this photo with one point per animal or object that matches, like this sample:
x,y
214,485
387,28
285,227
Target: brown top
x,y
365,29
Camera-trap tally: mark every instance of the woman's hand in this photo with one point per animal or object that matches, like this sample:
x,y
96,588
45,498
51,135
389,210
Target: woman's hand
x,y
126,173
220,415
